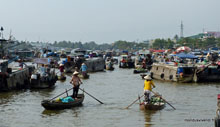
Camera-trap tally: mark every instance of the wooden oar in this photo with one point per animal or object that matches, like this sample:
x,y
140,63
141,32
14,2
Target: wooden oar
x,y
134,102
61,94
92,96
163,99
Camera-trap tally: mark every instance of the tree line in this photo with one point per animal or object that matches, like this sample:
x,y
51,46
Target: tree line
x,y
194,43
122,45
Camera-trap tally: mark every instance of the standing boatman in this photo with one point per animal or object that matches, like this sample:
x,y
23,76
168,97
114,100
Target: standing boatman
x,y
148,84
61,67
83,68
75,81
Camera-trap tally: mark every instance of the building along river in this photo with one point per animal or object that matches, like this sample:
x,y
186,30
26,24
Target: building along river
x,y
117,89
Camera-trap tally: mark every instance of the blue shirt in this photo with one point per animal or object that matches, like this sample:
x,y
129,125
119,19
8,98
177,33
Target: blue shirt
x,y
83,68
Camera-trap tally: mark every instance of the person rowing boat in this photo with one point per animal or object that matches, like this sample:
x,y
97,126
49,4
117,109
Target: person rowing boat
x,y
75,81
148,84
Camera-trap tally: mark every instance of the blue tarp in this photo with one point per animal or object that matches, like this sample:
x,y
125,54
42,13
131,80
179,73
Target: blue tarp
x,y
184,55
67,100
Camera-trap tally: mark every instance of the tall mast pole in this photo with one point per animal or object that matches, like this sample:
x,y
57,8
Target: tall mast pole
x,y
181,30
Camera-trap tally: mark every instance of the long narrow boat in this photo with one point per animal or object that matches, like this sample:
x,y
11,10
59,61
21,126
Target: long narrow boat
x,y
110,68
61,77
86,76
153,105
140,70
53,105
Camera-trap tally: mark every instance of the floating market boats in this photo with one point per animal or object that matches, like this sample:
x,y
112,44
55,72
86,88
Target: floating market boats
x,y
61,77
207,73
126,62
143,59
140,70
156,103
109,65
45,76
58,105
14,78
168,72
84,75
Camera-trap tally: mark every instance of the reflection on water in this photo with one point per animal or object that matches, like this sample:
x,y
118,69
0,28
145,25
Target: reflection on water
x,y
117,89
148,114
51,112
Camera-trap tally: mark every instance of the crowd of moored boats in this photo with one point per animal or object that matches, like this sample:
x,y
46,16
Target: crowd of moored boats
x,y
171,65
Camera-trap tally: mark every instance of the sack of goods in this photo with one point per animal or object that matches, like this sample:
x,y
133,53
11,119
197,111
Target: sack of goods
x,y
67,99
156,100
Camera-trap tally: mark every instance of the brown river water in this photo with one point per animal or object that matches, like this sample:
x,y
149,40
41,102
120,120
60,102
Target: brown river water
x,y
117,89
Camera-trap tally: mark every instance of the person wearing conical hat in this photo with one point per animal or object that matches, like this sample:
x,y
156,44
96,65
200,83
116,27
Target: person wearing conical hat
x,y
61,67
148,84
75,81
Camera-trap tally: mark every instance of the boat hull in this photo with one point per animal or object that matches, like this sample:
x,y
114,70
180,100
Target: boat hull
x,y
136,71
52,105
84,76
61,77
144,106
110,68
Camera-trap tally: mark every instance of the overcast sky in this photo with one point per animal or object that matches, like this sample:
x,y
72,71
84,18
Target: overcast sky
x,y
106,21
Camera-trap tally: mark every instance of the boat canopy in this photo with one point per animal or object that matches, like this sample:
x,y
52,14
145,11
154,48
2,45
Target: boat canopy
x,y
42,61
144,52
184,56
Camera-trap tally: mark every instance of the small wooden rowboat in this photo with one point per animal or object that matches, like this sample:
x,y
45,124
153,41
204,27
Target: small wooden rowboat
x,y
158,105
136,71
84,76
110,68
61,78
53,105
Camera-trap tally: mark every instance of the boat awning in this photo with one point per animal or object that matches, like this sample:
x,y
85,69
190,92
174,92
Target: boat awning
x,y
159,51
184,55
42,61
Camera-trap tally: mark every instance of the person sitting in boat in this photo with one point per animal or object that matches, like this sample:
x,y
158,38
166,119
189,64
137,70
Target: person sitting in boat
x,y
83,68
148,84
123,60
43,69
21,64
75,81
76,69
144,64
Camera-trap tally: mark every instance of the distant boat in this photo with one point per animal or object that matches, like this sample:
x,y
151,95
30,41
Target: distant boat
x,y
84,76
126,62
44,77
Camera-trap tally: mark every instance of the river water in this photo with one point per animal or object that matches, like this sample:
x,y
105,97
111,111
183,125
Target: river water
x,y
117,89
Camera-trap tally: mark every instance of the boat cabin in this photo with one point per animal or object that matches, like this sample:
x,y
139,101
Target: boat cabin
x,y
172,72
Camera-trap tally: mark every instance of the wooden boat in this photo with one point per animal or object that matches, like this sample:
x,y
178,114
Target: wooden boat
x,y
53,105
84,76
153,105
208,73
110,68
169,72
126,62
109,65
145,74
140,70
45,76
61,77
